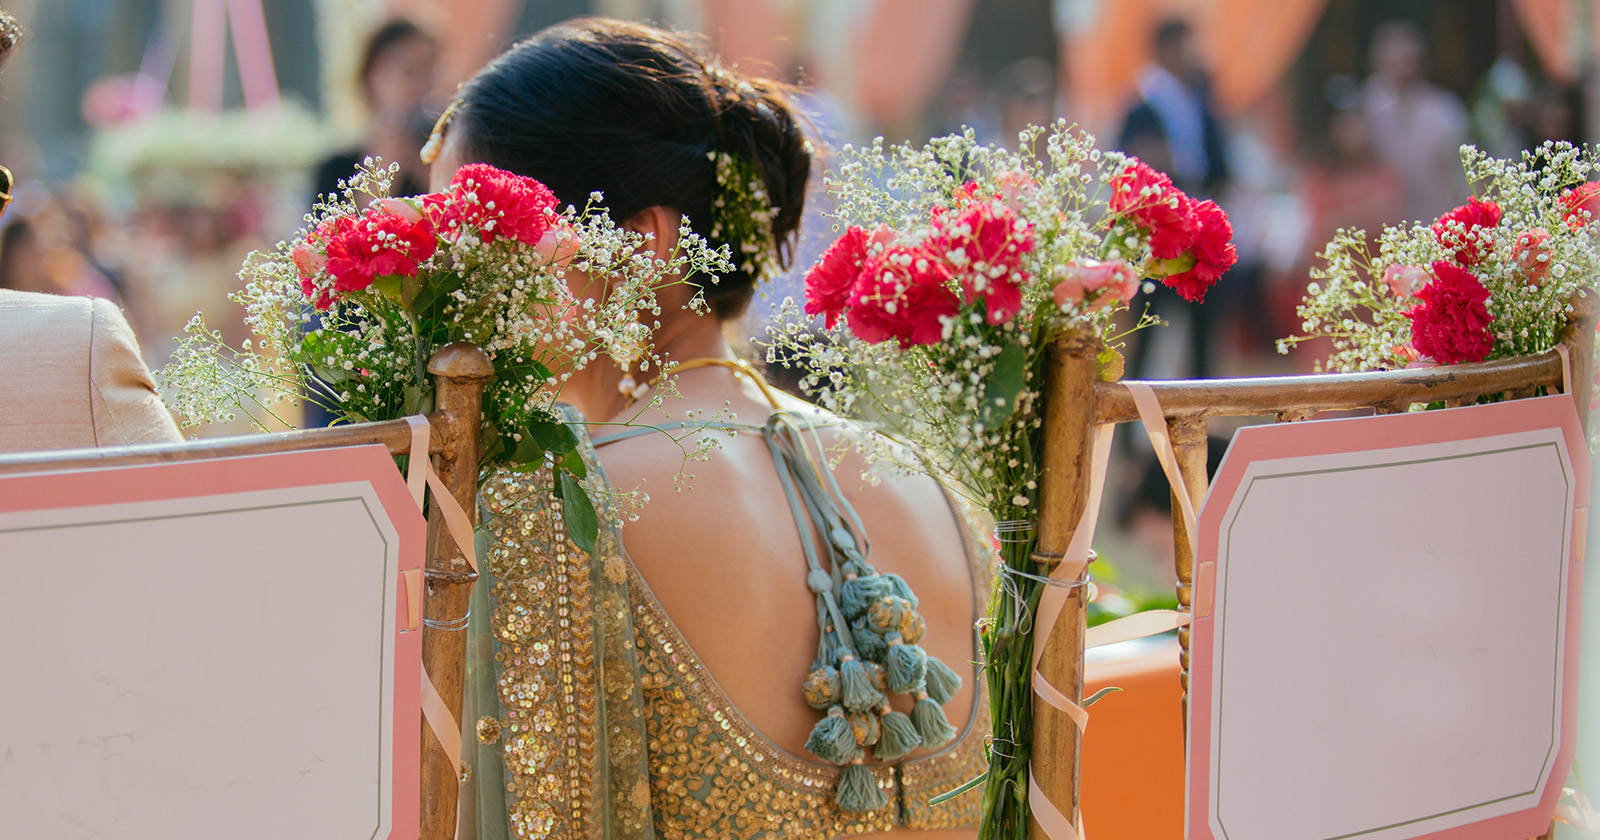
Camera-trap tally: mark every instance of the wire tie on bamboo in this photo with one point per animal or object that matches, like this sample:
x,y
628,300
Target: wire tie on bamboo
x,y
451,624
1048,581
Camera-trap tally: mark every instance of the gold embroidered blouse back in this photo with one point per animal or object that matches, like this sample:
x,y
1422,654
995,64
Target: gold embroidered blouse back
x,y
608,725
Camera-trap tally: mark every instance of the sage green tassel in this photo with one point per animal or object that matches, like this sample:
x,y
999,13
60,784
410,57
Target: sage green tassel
x,y
897,736
856,594
900,587
858,791
906,667
856,686
943,681
869,643
832,739
931,723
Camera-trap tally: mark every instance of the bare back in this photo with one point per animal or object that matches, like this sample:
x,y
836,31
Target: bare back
x,y
723,557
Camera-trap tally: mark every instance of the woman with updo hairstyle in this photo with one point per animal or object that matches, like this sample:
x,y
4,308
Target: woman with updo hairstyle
x,y
712,669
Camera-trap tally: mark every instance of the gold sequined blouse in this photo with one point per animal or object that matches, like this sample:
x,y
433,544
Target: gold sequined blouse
x,y
593,718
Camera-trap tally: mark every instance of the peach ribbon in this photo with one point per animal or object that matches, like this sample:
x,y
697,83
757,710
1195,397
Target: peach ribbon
x,y
420,474
1575,809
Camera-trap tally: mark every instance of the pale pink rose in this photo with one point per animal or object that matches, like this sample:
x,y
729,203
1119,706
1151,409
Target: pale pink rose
x,y
398,207
307,260
1532,255
558,245
1404,280
1099,284
882,237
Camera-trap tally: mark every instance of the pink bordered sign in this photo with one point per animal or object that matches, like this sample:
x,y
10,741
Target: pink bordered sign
x,y
1385,634
222,648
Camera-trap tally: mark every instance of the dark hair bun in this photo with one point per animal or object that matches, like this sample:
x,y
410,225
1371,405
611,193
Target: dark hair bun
x,y
638,114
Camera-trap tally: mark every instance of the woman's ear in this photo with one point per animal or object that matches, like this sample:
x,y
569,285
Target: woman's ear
x,y
659,225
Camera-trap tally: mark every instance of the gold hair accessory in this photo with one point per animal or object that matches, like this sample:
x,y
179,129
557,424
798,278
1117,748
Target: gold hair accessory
x,y
430,149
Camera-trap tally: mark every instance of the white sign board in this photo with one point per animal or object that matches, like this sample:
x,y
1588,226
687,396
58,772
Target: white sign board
x,y
210,649
1384,644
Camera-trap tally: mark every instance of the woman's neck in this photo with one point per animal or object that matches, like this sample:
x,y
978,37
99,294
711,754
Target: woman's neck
x,y
596,390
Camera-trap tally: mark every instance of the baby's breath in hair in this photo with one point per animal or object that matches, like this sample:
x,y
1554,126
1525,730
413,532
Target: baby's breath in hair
x,y
742,215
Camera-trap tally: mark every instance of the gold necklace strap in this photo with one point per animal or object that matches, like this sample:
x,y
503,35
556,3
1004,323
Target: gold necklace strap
x,y
738,366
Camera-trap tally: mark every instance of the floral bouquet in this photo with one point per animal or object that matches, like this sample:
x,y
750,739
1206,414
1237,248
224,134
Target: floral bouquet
x,y
958,265
349,313
1488,280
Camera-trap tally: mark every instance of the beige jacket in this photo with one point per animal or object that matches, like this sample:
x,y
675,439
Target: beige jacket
x,y
71,377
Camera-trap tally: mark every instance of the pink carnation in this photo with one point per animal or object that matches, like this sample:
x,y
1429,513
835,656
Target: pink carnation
x,y
830,282
991,241
495,203
1212,250
1468,231
1582,205
1148,200
902,293
1451,324
375,245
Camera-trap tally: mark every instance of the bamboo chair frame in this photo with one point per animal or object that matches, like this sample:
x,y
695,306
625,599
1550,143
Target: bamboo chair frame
x,y
461,372
1075,403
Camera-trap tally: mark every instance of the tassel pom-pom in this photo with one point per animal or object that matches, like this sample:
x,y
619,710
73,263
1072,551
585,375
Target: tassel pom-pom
x,y
856,594
868,643
858,791
907,664
864,726
832,739
897,737
821,688
856,686
901,588
931,723
943,681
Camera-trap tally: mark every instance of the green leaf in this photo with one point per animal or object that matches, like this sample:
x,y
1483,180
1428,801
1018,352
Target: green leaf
x,y
578,512
525,451
1095,697
573,463
389,286
436,292
553,435
1003,384
410,287
965,786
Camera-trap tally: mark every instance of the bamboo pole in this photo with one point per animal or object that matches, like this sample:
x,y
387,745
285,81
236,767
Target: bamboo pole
x,y
1188,435
1063,494
461,372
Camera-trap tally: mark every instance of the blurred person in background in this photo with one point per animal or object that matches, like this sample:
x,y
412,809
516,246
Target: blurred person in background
x,y
69,366
398,71
22,265
1174,128
1025,94
1417,126
1345,184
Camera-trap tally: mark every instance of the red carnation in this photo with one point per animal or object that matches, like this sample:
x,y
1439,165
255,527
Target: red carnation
x,y
495,203
1451,324
375,245
1582,205
987,243
903,293
1148,199
1213,254
1468,231
830,281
